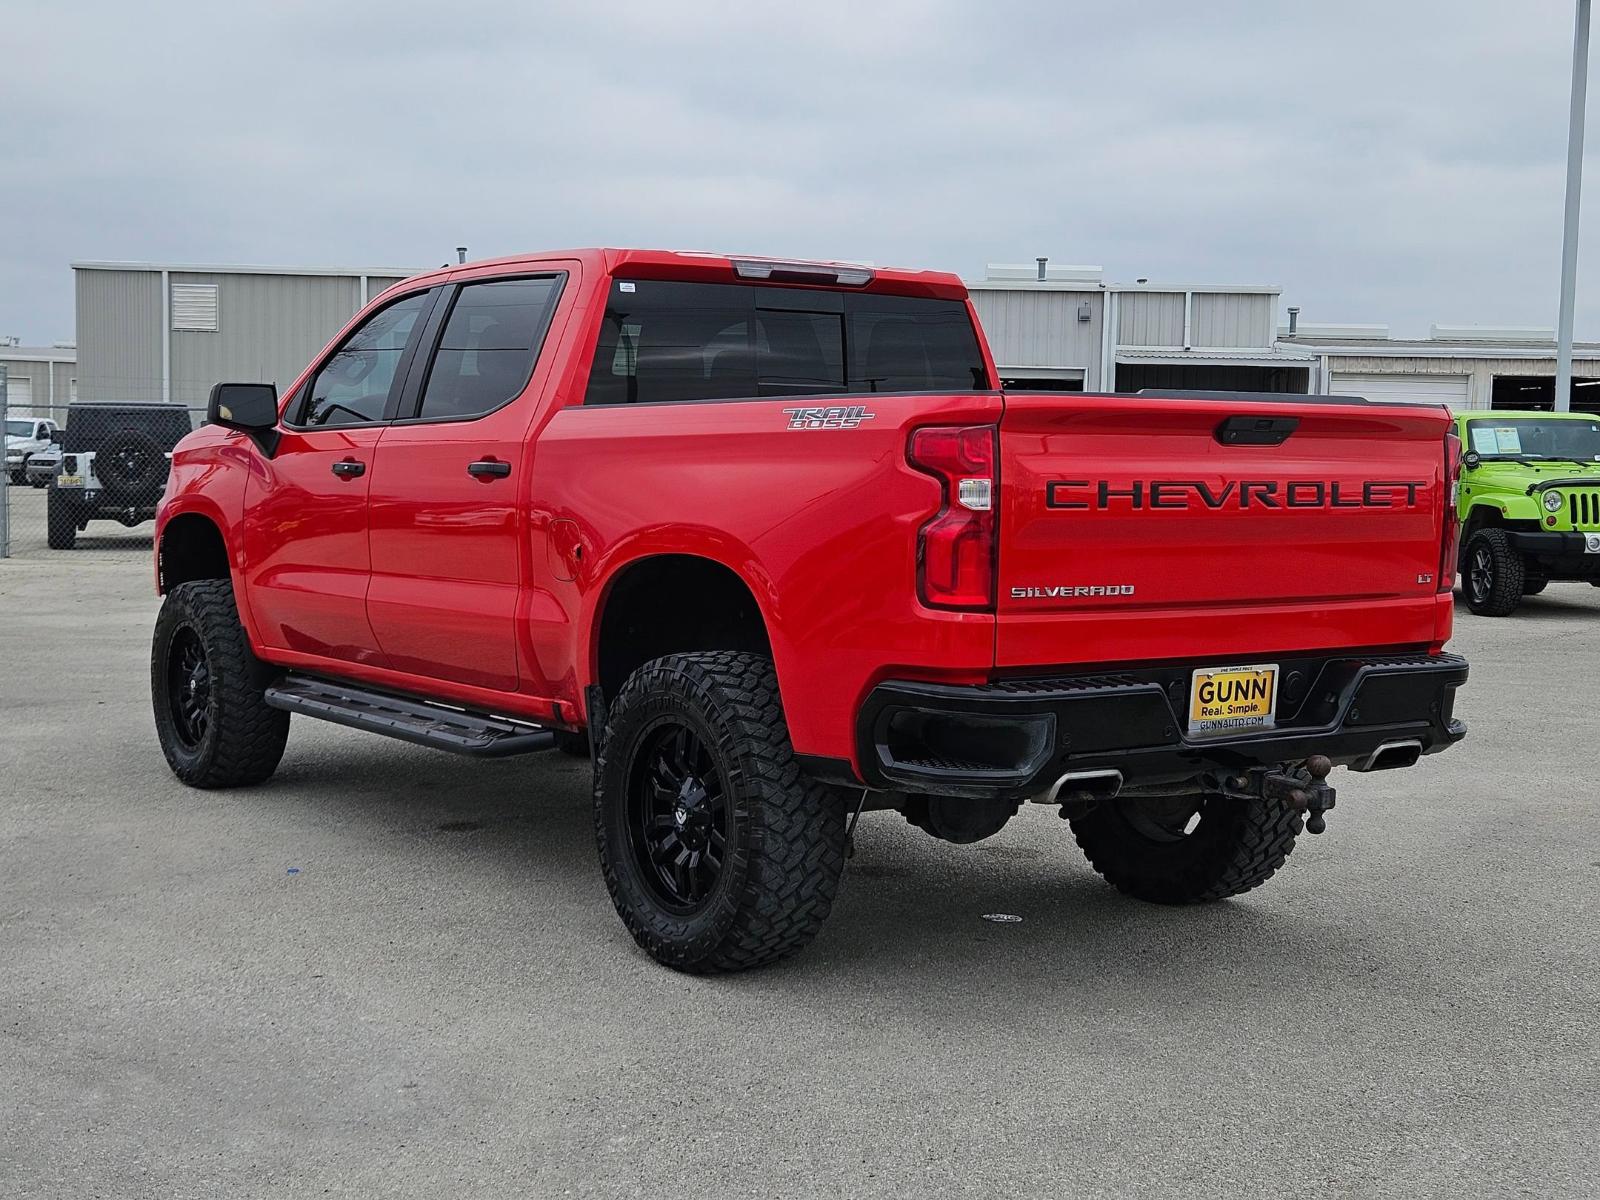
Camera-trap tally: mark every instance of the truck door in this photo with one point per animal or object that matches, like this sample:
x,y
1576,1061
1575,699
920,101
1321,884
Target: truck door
x,y
306,507
449,526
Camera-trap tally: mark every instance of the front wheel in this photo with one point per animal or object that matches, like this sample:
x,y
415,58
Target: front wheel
x,y
207,689
1187,849
718,852
1495,574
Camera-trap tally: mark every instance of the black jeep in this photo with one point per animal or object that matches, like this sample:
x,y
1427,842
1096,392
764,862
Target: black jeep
x,y
114,464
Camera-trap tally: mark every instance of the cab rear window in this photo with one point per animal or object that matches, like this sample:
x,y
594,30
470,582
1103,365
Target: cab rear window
x,y
664,341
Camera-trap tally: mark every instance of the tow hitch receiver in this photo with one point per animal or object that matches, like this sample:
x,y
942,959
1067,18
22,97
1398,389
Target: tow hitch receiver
x,y
1305,789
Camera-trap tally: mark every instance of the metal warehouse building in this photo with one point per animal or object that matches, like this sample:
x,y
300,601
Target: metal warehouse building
x,y
164,331
1065,328
36,379
1464,366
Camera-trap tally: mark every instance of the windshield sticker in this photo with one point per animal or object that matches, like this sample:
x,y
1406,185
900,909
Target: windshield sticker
x,y
1496,440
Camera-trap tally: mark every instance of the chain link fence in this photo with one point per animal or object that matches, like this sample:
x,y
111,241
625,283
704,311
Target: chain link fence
x,y
84,479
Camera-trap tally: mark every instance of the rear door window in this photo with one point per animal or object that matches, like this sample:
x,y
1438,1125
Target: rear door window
x,y
488,348
665,341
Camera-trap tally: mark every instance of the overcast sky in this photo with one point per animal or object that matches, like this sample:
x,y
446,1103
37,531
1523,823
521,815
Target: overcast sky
x,y
1396,162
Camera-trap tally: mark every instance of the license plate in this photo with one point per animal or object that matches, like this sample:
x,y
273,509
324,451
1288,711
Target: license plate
x,y
1229,699
69,480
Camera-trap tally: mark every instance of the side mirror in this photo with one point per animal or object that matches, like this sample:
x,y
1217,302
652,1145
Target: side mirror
x,y
57,438
1472,460
249,408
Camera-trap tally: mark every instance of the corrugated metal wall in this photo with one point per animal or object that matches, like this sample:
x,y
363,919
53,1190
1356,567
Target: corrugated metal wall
x,y
381,283
1041,328
119,335
1150,318
268,328
35,377
1231,319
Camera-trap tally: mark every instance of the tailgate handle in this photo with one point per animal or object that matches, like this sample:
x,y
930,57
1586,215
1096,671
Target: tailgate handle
x,y
1245,430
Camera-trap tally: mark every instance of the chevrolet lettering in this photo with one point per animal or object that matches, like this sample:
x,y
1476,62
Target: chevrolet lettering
x,y
1244,494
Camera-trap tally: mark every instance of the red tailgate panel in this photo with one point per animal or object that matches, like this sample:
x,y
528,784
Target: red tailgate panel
x,y
1130,531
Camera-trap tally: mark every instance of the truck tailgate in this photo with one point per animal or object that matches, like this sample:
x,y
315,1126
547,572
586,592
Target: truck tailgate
x,y
1141,528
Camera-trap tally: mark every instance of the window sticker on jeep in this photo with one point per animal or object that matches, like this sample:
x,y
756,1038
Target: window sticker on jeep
x,y
1502,439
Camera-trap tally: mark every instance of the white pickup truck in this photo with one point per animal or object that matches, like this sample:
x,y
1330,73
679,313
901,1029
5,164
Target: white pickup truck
x,y
25,437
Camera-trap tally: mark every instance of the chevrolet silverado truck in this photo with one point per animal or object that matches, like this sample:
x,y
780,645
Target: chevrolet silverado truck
x,y
766,538
1530,505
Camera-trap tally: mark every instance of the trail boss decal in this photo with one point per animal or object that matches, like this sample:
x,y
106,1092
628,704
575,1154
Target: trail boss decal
x,y
838,416
1244,494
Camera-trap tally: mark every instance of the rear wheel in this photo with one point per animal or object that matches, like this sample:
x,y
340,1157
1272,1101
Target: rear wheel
x,y
61,521
207,689
1495,574
1187,849
718,852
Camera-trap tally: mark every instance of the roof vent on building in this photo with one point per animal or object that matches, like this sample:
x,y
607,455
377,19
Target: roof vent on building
x,y
194,307
1294,319
1042,272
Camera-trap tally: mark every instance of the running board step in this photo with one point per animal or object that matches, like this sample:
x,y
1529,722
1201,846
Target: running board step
x,y
418,721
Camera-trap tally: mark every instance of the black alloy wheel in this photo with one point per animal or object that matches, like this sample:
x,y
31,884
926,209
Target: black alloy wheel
x,y
189,688
678,817
1480,574
1495,574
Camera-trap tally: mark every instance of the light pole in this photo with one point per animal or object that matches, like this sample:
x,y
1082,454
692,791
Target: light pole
x,y
1569,235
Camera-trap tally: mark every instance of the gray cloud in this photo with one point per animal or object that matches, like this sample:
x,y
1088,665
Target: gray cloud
x,y
1381,161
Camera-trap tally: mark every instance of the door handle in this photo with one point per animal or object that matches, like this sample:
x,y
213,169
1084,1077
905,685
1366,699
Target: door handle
x,y
489,468
349,468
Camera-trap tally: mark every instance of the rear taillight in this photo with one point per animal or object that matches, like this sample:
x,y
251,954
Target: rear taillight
x,y
1450,543
956,546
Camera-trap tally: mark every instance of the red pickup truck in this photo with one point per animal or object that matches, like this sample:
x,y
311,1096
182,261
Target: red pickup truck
x,y
767,540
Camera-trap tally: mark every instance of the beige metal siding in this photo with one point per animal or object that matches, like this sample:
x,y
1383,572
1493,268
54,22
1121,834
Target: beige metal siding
x,y
1150,318
30,378
1231,319
65,373
381,283
268,328
119,335
1041,329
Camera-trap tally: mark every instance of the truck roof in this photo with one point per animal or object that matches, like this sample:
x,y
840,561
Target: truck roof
x,y
710,267
1502,413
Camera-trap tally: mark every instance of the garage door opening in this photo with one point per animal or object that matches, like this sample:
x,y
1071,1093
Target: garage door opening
x,y
1538,393
1402,388
1210,377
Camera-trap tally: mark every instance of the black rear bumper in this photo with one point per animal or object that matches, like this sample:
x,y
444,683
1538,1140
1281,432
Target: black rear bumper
x,y
1016,737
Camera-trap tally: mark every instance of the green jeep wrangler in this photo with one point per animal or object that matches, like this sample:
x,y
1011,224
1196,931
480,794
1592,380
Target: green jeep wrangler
x,y
1530,505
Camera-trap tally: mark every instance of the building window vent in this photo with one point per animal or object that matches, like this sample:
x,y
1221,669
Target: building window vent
x,y
194,307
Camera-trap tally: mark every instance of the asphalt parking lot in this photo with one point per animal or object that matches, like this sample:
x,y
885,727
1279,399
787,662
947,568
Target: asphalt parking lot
x,y
392,972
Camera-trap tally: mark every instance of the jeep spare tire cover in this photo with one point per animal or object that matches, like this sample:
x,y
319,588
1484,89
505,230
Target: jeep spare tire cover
x,y
131,458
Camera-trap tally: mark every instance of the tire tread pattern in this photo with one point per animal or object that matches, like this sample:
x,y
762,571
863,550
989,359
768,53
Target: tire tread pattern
x,y
795,852
1256,840
1506,588
247,737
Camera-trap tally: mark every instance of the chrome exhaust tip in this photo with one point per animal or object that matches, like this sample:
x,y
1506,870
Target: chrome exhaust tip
x,y
1100,784
1390,756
